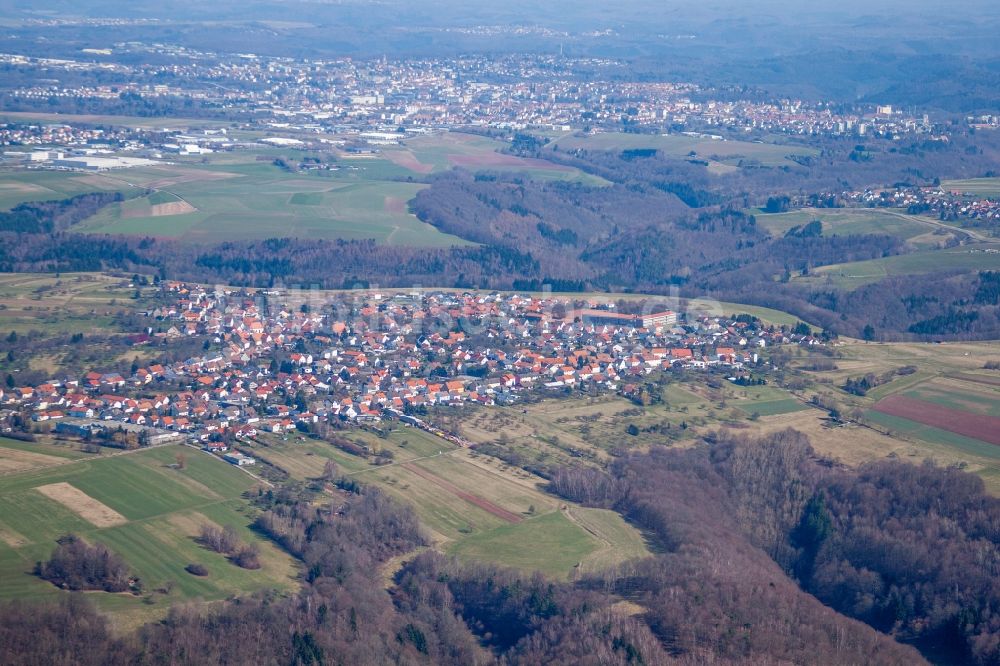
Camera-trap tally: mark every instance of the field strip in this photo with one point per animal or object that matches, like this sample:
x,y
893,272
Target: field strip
x,y
378,468
16,460
975,379
977,426
82,504
12,538
475,500
102,456
530,482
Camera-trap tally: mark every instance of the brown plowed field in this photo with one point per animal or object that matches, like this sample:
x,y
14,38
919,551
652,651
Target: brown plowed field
x,y
978,426
407,160
482,503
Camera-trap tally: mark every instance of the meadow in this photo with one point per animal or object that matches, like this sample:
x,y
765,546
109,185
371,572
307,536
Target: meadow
x,y
447,150
256,201
65,303
916,230
970,257
714,308
471,505
162,507
722,156
983,187
18,185
242,195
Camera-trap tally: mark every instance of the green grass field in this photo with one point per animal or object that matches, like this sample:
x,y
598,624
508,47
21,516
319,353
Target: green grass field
x,y
20,185
772,407
444,151
849,222
457,493
239,196
983,187
164,508
720,154
62,450
550,543
257,201
721,308
972,257
242,195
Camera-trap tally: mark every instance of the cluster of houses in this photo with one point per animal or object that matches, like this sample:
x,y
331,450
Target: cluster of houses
x,y
273,367
942,203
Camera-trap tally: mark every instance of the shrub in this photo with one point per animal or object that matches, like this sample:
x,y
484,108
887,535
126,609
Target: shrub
x,y
196,569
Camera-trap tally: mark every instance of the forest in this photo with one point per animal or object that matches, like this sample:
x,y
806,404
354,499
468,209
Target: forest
x,y
765,552
911,550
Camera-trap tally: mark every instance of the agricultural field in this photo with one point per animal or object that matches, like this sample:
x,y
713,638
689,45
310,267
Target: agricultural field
x,y
983,187
66,303
918,231
147,508
243,195
971,411
472,505
17,456
579,430
950,389
255,201
970,257
445,151
722,156
20,185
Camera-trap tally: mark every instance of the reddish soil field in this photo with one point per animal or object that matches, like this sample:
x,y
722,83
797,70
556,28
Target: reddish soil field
x,y
978,426
408,160
482,503
395,205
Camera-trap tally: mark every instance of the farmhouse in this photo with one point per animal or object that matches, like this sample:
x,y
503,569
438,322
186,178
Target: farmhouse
x,y
238,459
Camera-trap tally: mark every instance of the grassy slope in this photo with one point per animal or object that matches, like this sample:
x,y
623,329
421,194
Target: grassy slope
x,y
253,201
848,222
165,508
19,185
725,153
984,187
970,257
545,540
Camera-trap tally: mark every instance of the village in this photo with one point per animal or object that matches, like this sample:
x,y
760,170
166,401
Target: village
x,y
948,204
363,357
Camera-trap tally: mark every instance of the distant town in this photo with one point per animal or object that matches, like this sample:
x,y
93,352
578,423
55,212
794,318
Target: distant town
x,y
514,92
